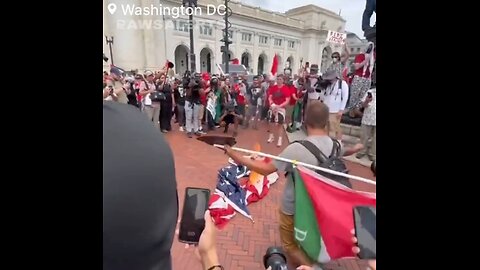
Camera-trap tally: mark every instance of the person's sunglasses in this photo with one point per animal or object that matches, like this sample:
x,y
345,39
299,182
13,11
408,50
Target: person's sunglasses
x,y
334,56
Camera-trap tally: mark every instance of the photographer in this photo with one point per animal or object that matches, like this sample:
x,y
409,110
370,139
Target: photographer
x,y
335,96
192,105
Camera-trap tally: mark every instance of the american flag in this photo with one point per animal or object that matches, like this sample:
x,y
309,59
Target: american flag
x,y
236,188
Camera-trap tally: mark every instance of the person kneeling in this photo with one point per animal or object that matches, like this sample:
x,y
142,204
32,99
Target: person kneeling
x,y
230,117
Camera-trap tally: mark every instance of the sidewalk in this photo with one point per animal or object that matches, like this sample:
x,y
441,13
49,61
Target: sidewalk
x,y
350,137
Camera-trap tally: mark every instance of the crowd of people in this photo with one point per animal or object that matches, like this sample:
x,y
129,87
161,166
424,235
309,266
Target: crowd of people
x,y
202,102
307,100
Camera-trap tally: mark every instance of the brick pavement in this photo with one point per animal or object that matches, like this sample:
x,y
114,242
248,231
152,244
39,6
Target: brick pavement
x,y
241,244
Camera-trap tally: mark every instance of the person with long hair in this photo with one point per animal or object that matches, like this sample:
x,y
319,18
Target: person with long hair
x,y
363,67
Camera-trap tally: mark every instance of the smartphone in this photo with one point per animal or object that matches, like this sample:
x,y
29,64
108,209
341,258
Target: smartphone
x,y
365,218
194,207
369,94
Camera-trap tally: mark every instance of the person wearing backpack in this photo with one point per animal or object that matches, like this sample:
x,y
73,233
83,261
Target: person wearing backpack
x,y
335,96
317,149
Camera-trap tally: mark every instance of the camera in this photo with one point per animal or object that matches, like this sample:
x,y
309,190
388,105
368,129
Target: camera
x,y
191,80
105,58
274,259
321,85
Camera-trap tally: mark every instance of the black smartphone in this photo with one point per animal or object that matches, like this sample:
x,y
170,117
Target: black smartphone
x,y
194,207
365,218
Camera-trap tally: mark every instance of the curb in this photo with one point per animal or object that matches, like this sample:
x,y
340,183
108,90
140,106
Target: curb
x,y
350,130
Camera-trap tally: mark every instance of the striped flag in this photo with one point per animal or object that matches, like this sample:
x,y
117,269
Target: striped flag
x,y
220,210
324,215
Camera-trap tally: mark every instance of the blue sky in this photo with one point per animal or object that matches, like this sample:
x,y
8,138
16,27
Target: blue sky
x,y
352,10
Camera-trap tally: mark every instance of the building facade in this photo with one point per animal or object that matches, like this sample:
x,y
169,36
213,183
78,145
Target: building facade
x,y
144,41
355,45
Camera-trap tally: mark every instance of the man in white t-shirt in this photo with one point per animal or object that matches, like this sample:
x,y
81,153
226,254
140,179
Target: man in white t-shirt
x,y
335,96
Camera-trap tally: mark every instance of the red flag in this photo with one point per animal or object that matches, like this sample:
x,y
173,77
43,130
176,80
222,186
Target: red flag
x,y
324,215
274,65
235,61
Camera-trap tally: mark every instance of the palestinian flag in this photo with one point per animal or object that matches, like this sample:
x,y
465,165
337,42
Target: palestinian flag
x,y
324,215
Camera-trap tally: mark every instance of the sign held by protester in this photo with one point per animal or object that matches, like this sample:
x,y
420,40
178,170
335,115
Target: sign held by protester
x,y
336,37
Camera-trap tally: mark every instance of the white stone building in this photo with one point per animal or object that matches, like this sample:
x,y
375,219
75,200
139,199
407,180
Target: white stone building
x,y
355,45
145,42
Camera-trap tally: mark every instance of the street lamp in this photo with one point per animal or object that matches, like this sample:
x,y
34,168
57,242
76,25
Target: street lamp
x,y
226,39
110,43
191,4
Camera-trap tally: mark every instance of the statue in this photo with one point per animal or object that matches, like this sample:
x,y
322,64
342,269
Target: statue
x,y
369,32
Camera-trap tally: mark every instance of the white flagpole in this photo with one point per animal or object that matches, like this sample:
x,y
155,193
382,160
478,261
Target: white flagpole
x,y
361,179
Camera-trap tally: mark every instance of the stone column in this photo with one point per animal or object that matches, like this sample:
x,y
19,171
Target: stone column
x,y
255,53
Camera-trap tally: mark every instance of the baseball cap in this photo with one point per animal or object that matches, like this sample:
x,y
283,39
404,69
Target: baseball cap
x,y
148,73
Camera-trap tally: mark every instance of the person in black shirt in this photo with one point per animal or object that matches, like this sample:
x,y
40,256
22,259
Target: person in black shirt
x,y
166,105
255,94
179,100
131,93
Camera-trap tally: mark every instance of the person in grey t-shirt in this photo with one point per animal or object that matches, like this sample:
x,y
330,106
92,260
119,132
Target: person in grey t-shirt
x,y
316,122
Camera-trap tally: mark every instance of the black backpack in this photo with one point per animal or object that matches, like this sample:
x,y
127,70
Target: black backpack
x,y
333,162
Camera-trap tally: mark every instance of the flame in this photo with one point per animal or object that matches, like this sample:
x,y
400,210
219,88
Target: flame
x,y
255,177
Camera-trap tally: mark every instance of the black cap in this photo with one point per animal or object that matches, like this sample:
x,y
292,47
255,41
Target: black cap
x,y
140,202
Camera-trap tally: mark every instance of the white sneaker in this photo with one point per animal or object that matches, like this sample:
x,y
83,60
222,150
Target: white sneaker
x,y
270,138
279,143
181,129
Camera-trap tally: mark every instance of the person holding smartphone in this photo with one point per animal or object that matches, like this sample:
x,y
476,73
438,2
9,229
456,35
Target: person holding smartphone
x,y
372,264
369,125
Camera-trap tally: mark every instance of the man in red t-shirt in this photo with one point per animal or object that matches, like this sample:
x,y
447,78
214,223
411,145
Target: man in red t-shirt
x,y
278,97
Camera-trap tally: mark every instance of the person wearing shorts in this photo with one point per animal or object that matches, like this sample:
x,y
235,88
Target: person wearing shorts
x,y
335,97
278,98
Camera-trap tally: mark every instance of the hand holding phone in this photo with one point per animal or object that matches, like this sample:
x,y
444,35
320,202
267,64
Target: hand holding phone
x,y
365,218
193,213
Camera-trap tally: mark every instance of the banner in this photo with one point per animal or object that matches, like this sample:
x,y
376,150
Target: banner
x,y
336,37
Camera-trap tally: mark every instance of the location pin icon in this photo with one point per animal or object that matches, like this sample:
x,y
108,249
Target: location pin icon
x,y
112,8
